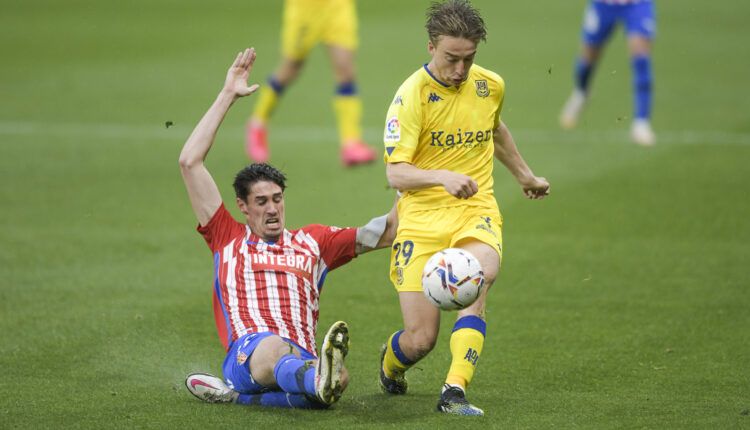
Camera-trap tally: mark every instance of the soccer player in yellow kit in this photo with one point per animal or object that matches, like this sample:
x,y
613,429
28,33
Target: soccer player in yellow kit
x,y
307,23
442,129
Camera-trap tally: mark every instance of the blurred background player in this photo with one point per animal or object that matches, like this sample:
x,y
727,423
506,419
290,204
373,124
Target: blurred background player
x,y
442,130
268,279
307,23
599,20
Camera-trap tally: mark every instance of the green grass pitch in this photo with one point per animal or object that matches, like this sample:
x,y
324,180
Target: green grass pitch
x,y
623,299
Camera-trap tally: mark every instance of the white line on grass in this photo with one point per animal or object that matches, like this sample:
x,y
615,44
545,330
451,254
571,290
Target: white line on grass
x,y
306,134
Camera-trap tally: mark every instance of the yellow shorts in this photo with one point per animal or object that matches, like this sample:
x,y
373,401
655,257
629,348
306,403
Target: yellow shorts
x,y
423,233
309,22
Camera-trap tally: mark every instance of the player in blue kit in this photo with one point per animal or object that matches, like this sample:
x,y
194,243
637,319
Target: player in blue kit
x,y
600,19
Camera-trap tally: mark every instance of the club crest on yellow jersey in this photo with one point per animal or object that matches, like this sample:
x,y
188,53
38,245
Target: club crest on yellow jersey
x,y
483,90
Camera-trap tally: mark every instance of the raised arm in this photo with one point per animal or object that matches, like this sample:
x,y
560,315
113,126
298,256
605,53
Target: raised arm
x,y
534,187
202,190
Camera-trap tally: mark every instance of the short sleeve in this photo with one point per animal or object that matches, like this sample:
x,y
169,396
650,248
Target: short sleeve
x,y
337,245
403,125
221,229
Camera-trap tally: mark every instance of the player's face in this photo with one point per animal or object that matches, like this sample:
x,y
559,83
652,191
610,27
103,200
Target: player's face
x,y
264,210
452,58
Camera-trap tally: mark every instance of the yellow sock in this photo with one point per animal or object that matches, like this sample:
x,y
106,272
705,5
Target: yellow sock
x,y
395,362
267,100
467,341
349,117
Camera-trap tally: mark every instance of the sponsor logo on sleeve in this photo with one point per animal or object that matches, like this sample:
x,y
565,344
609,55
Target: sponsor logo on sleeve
x,y
392,130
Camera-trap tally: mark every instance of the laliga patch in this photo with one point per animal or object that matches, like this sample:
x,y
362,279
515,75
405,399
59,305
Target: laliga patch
x,y
392,130
482,89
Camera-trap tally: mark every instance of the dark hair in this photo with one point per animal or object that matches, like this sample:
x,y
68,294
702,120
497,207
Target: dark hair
x,y
254,173
456,18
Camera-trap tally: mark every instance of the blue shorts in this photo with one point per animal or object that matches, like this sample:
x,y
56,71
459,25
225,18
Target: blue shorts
x,y
236,366
601,18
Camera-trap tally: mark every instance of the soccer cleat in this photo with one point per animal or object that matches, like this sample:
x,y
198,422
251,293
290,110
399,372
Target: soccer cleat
x,y
453,401
328,386
356,152
397,385
256,143
210,389
572,109
641,133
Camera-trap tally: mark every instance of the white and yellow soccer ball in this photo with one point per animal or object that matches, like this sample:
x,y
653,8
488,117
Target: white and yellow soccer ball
x,y
452,279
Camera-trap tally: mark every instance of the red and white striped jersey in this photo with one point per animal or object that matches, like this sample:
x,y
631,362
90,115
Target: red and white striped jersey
x,y
261,286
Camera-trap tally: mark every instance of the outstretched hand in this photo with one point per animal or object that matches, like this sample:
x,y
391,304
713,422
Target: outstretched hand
x,y
236,83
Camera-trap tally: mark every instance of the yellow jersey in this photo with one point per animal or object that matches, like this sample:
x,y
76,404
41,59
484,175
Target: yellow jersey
x,y
436,126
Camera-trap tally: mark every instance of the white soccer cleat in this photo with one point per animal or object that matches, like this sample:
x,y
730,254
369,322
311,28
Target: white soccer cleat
x,y
572,109
641,133
328,373
210,389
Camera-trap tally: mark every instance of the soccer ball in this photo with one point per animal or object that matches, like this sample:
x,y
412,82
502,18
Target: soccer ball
x,y
452,279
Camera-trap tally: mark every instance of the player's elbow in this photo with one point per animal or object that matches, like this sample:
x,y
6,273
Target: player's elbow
x,y
393,177
393,182
187,162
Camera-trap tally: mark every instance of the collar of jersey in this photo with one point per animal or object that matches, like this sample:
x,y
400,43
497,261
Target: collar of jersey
x,y
442,84
259,240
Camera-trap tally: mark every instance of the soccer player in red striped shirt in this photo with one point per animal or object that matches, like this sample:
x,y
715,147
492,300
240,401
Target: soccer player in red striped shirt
x,y
267,279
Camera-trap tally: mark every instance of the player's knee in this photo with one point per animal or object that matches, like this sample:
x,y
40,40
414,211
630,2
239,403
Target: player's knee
x,y
265,356
490,274
639,46
288,71
590,53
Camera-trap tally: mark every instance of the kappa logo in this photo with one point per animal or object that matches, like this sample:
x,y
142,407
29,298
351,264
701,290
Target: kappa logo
x,y
487,226
433,98
482,89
